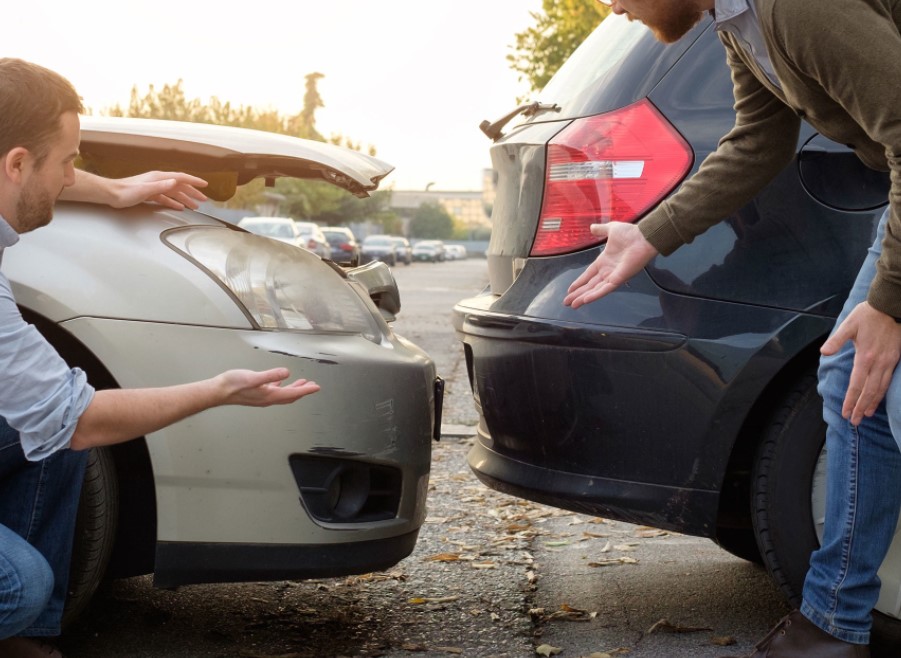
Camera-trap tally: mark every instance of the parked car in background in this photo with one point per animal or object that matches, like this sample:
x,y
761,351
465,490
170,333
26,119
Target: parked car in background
x,y
455,252
332,486
314,239
280,228
345,248
687,399
403,249
379,247
429,250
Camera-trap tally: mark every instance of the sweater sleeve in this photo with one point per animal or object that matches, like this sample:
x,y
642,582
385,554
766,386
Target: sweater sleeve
x,y
762,141
855,57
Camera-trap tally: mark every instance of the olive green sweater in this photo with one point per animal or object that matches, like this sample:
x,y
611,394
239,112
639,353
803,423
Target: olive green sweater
x,y
839,64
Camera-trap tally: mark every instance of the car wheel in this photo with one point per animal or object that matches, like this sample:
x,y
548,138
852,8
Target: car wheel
x,y
788,497
392,261
95,532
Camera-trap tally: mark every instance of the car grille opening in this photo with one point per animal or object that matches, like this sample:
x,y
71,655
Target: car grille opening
x,y
612,167
336,490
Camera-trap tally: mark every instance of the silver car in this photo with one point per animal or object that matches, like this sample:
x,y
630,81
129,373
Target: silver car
x,y
147,297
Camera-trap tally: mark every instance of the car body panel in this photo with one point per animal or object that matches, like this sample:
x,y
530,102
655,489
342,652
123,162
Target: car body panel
x,y
119,146
146,270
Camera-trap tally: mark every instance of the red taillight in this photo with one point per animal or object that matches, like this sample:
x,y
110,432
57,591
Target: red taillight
x,y
344,246
611,167
311,244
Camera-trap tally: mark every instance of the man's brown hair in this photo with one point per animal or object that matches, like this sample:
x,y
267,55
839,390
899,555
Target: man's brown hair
x,y
32,100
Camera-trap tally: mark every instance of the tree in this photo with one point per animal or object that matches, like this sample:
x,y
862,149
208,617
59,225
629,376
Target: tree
x,y
431,220
542,49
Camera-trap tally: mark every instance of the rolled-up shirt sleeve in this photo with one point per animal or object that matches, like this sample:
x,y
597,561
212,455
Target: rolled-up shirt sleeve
x,y
40,395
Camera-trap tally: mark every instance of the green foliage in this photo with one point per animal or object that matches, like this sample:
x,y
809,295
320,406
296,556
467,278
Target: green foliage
x,y
303,199
542,49
432,221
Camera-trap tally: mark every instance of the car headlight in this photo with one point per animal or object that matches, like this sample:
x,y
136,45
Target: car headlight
x,y
280,286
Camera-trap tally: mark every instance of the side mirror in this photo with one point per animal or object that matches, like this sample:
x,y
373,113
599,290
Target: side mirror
x,y
379,283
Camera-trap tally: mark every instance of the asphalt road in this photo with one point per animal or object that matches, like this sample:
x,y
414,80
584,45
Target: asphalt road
x,y
491,575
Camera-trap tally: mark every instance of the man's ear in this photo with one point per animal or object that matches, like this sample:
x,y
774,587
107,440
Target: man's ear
x,y
15,162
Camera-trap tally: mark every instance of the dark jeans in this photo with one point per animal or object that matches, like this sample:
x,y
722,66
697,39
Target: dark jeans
x,y
38,503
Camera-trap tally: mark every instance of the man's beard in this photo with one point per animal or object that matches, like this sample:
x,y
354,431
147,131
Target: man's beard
x,y
34,209
671,20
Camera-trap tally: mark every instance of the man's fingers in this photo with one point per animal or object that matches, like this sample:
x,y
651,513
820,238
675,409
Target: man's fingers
x,y
834,343
866,389
600,230
591,295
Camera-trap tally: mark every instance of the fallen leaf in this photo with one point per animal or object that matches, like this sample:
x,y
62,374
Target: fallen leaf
x,y
606,548
595,535
554,544
722,640
665,626
442,557
631,546
409,646
614,562
434,599
548,650
456,650
647,532
484,565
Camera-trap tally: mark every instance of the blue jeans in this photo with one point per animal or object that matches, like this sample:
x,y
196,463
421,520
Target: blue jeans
x,y
38,506
863,494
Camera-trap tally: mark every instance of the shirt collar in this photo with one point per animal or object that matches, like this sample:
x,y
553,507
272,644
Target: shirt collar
x,y
727,10
8,235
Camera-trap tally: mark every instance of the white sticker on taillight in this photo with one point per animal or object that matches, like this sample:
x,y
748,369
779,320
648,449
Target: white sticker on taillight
x,y
612,169
551,224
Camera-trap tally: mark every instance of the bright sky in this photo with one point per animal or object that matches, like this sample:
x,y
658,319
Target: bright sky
x,y
414,78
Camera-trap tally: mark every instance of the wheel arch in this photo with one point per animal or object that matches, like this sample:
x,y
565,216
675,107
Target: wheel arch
x,y
135,544
734,509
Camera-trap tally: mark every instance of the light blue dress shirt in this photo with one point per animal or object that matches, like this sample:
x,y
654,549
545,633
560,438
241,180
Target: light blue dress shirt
x,y
40,396
739,18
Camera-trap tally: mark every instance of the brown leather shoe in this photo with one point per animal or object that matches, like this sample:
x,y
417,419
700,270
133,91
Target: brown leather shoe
x,y
796,637
26,647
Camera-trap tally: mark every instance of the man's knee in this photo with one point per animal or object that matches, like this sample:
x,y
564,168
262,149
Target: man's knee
x,y
26,583
893,406
833,377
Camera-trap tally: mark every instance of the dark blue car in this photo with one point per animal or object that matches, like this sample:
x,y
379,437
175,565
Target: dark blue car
x,y
686,399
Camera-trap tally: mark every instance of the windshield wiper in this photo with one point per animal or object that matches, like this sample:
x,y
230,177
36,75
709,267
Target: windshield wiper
x,y
493,130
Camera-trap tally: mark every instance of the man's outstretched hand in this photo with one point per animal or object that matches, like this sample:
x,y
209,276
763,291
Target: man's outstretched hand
x,y
172,189
626,254
262,389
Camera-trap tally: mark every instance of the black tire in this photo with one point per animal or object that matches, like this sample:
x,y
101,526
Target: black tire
x,y
782,484
392,261
95,532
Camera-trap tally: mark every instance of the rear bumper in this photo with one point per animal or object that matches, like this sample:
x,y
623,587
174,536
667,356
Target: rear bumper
x,y
627,408
686,510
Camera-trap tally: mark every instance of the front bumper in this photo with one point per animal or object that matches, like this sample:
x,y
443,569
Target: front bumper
x,y
224,477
